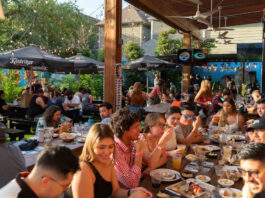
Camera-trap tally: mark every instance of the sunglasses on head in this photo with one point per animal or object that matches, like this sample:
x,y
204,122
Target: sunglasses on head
x,y
189,117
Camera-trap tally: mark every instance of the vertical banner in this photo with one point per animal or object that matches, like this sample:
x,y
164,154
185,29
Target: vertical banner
x,y
118,86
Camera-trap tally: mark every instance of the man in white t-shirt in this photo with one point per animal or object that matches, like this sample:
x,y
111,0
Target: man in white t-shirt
x,y
74,106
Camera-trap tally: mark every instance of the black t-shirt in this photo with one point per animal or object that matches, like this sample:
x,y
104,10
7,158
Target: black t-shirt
x,y
2,103
35,87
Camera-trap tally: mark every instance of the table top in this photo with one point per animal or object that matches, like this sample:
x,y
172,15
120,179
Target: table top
x,y
146,183
75,146
157,108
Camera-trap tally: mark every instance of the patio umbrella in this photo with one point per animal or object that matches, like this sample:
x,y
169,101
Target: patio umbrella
x,y
33,58
85,65
148,63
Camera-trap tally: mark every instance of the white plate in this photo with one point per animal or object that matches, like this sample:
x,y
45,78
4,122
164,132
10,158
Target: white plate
x,y
225,182
167,175
55,135
214,148
183,183
82,140
237,193
203,178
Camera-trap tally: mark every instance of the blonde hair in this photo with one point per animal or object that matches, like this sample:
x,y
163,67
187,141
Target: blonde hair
x,y
137,88
206,88
96,133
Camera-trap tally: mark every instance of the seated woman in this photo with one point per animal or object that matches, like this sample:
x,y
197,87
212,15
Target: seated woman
x,y
87,102
156,137
137,97
97,177
166,96
229,117
52,118
173,115
256,95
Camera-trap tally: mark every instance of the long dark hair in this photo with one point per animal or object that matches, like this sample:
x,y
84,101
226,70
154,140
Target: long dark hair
x,y
48,115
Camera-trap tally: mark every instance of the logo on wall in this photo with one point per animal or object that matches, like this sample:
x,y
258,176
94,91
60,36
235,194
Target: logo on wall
x,y
185,56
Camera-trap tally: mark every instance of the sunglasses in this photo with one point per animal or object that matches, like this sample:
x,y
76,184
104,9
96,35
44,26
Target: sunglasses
x,y
253,173
189,117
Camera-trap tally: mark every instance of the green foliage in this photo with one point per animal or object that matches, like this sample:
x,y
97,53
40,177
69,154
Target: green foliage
x,y
165,45
94,82
207,44
132,76
70,82
60,28
100,55
133,51
175,77
10,84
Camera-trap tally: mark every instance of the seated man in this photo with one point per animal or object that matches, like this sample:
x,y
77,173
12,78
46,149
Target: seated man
x,y
50,177
128,149
36,105
252,168
3,106
105,110
73,104
12,160
187,129
257,131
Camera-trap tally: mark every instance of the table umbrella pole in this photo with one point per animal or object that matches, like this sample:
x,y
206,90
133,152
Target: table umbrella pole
x,y
78,78
30,81
147,83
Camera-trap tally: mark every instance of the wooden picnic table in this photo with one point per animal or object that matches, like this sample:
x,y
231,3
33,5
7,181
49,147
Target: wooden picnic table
x,y
75,147
146,183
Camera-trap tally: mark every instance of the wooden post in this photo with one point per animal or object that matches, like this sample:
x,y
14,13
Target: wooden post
x,y
112,47
2,16
197,44
263,57
186,67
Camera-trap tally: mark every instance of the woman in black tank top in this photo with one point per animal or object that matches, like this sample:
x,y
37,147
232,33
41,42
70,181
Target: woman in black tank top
x,y
97,177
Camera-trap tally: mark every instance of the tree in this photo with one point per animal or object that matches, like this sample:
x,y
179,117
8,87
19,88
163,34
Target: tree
x,y
207,44
10,84
165,45
60,28
94,82
133,51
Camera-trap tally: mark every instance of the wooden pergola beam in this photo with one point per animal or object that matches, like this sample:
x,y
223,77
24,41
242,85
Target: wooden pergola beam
x,y
112,47
2,16
162,11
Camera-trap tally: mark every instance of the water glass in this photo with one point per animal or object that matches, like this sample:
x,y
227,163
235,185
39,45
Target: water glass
x,y
218,170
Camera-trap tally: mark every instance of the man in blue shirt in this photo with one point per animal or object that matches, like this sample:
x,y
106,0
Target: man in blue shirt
x,y
105,110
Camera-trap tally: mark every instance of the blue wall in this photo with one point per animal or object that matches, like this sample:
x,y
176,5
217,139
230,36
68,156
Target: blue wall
x,y
218,74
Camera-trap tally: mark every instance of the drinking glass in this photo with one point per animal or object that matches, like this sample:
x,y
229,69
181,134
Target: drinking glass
x,y
227,151
176,162
156,180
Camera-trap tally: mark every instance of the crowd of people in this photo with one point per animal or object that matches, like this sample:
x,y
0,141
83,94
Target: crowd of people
x,y
119,151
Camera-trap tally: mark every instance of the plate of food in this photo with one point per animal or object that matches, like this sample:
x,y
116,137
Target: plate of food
x,y
167,175
230,172
187,175
203,178
67,137
213,148
191,157
236,137
190,188
212,155
230,192
225,182
162,195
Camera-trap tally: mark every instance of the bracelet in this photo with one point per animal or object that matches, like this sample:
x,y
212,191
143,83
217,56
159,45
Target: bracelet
x,y
166,152
139,154
195,131
129,193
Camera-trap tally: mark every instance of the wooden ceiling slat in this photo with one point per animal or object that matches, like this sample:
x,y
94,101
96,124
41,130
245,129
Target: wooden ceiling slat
x,y
163,8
